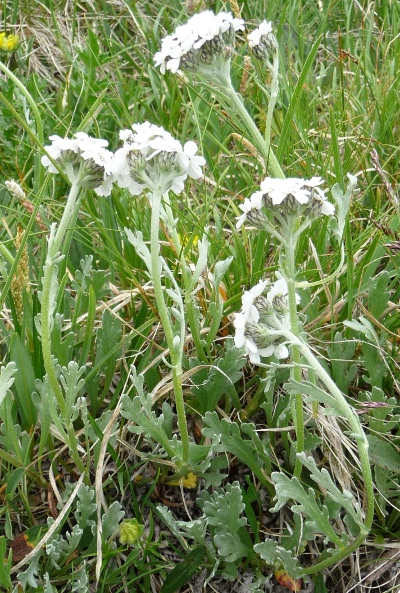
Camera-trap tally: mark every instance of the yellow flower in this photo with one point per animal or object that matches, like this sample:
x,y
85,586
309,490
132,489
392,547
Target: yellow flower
x,y
8,42
189,481
130,531
185,240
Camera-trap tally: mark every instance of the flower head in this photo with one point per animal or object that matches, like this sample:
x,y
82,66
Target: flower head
x,y
194,46
262,41
151,158
285,197
264,312
277,295
256,340
82,157
278,190
9,42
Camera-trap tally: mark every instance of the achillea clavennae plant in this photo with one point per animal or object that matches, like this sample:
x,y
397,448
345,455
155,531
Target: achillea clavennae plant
x,y
268,324
87,164
204,45
262,42
152,160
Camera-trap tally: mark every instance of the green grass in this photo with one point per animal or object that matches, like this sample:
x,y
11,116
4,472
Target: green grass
x,y
91,69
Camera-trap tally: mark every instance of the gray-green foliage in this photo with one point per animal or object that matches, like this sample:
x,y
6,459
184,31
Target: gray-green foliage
x,y
7,379
212,383
319,514
277,557
251,451
223,521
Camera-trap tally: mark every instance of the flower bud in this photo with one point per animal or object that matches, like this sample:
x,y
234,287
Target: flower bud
x,y
264,307
259,333
130,531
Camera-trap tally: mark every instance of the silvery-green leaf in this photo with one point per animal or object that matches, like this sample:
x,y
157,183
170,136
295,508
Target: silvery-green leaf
x,y
85,506
365,327
343,202
279,557
28,577
230,546
345,498
7,378
203,246
111,519
80,581
317,516
141,248
220,269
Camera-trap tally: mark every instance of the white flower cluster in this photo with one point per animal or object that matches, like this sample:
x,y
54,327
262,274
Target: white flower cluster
x,y
262,41
150,158
261,312
287,194
254,38
206,30
85,157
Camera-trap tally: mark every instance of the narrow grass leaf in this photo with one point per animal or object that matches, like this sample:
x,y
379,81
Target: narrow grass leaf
x,y
24,381
183,571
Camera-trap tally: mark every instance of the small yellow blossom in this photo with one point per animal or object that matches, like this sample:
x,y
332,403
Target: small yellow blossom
x,y
189,481
8,42
130,531
184,239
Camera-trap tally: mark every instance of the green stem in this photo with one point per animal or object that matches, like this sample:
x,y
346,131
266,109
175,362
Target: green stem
x,y
297,402
347,412
50,270
190,306
338,556
175,351
235,103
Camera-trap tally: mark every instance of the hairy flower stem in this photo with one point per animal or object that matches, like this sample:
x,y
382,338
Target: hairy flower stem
x,y
175,353
190,306
234,102
50,269
345,410
297,402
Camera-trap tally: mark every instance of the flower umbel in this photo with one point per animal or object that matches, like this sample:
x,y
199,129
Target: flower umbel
x,y
151,158
195,45
82,158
